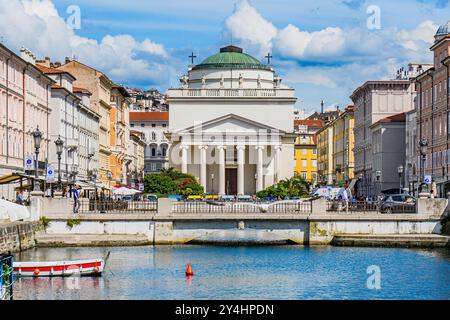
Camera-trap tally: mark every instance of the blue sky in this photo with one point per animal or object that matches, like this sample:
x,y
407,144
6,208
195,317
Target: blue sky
x,y
321,48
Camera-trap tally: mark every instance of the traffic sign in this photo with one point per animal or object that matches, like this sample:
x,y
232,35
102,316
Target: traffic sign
x,y
427,179
29,162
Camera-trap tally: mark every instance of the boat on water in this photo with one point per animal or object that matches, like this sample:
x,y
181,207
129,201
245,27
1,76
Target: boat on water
x,y
64,268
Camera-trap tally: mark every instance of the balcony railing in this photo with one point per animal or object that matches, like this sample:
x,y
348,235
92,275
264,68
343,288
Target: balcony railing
x,y
245,93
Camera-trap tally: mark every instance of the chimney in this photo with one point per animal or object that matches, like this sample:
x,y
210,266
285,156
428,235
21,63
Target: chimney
x,y
67,60
27,55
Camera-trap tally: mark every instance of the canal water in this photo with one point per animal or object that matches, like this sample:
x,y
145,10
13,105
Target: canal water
x,y
272,272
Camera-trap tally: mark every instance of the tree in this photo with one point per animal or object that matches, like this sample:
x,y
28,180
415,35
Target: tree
x,y
160,184
293,187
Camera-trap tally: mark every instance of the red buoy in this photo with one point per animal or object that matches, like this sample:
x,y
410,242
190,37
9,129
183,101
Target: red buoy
x,y
36,271
189,271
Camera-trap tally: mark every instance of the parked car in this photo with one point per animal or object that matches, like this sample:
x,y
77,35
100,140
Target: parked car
x,y
151,197
398,203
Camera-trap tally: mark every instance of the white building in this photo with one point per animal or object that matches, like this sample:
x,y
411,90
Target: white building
x,y
88,122
412,168
231,124
388,153
64,121
153,125
373,101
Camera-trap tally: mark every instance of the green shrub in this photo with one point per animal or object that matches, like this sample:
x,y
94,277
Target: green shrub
x,y
294,187
44,223
73,222
160,184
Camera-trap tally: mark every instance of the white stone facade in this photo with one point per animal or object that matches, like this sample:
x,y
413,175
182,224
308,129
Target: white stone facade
x,y
231,126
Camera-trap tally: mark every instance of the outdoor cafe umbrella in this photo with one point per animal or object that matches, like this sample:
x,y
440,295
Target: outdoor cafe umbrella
x,y
122,191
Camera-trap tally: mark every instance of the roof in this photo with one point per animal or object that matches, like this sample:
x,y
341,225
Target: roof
x,y
81,90
396,117
149,116
48,70
122,90
309,123
443,29
231,57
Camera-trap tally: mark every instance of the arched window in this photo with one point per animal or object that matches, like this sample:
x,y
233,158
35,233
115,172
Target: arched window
x,y
153,135
153,152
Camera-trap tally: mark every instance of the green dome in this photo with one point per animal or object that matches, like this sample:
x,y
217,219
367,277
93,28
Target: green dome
x,y
231,57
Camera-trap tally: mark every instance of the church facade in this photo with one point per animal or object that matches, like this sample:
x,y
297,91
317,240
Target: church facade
x,y
231,124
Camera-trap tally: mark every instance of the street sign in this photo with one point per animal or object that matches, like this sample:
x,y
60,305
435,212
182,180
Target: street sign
x,y
141,186
29,162
50,174
427,179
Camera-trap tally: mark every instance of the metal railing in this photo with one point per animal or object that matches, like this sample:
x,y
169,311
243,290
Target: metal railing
x,y
117,206
6,277
240,207
370,207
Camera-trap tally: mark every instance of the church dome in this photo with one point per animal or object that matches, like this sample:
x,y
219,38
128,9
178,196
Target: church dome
x,y
231,57
443,30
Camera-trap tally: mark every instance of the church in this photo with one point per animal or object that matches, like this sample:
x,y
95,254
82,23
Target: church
x,y
230,124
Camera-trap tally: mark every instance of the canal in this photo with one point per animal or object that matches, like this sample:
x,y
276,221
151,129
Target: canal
x,y
272,272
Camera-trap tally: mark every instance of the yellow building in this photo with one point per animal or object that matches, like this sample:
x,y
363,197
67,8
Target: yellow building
x,y
306,149
119,159
335,143
100,86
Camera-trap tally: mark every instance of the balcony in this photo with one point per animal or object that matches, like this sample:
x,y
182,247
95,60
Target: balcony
x,y
232,93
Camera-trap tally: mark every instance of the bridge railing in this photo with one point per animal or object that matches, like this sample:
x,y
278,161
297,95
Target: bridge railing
x,y
370,207
240,207
117,206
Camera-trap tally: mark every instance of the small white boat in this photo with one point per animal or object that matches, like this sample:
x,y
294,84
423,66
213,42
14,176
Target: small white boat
x,y
90,267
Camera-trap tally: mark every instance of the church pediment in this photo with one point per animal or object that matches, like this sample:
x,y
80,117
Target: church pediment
x,y
229,123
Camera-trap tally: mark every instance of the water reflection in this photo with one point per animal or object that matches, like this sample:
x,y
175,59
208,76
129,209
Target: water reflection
x,y
279,272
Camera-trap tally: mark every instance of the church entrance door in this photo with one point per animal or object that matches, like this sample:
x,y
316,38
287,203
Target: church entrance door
x,y
231,181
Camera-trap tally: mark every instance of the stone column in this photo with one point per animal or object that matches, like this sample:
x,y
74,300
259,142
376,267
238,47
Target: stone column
x,y
221,170
240,173
203,166
259,168
277,164
184,158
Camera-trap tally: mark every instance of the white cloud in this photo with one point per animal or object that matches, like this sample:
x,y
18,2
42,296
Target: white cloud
x,y
37,25
248,26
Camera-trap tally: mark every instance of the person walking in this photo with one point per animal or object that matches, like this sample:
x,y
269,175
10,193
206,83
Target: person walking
x,y
76,195
20,198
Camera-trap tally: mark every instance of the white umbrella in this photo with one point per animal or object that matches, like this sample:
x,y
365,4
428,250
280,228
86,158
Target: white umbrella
x,y
122,191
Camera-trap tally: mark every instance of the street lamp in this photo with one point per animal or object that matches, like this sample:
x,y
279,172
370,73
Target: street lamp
x,y
59,149
37,137
110,176
378,178
212,183
74,172
400,174
423,145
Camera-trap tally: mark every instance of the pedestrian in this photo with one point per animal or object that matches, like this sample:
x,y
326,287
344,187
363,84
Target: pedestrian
x,y
20,199
76,195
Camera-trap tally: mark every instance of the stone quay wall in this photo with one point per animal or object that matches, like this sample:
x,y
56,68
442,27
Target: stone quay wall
x,y
17,236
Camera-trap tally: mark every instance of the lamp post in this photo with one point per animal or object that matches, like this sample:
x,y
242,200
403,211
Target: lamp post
x,y
423,145
378,177
110,176
400,175
37,137
59,149
212,183
74,172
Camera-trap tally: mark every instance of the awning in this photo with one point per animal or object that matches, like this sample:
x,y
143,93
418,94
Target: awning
x,y
9,178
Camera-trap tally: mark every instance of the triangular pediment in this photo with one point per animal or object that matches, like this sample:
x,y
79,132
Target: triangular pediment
x,y
229,123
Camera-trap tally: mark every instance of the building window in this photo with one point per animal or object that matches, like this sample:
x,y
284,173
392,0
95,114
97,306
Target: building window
x,y
164,125
304,152
314,163
153,135
304,163
153,152
153,125
132,125
304,175
142,125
